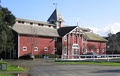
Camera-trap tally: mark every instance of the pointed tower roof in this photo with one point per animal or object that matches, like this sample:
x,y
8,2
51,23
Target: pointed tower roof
x,y
56,17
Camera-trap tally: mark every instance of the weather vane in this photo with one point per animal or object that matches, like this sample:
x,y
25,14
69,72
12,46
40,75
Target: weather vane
x,y
55,5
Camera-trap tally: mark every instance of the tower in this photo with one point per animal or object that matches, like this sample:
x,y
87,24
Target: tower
x,y
55,19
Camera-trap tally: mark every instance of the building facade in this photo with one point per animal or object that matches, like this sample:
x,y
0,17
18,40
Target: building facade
x,y
52,37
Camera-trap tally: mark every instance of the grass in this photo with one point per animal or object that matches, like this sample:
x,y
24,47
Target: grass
x,y
7,75
90,63
12,68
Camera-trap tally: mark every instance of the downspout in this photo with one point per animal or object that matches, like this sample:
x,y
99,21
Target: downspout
x,y
18,45
67,47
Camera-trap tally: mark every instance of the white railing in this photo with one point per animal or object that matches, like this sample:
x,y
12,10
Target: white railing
x,y
92,57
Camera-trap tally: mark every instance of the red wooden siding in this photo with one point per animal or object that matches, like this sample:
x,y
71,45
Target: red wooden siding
x,y
96,45
40,42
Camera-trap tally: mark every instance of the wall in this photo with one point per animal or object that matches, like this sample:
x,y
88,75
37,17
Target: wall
x,y
40,42
95,46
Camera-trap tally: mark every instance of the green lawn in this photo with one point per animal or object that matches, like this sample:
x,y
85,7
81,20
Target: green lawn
x,y
91,63
12,68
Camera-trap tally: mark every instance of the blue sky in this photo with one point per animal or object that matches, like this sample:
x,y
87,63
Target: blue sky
x,y
102,16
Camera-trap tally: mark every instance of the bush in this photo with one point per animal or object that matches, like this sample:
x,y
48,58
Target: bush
x,y
42,55
39,56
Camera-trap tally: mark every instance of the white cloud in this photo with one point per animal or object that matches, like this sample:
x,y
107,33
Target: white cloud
x,y
94,29
111,28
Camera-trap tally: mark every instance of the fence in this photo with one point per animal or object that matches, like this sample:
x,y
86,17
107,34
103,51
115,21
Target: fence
x,y
91,57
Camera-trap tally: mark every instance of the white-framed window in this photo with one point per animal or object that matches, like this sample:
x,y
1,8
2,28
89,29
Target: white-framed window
x,y
83,50
65,38
24,48
55,49
45,48
92,51
97,50
103,50
35,48
75,49
65,50
75,52
55,39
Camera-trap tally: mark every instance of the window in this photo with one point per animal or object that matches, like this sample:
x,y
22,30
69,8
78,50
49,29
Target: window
x,y
45,48
84,50
97,50
103,50
35,48
55,39
24,48
55,49
65,51
65,38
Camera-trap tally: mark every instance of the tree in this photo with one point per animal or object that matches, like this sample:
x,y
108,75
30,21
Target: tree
x,y
113,42
7,20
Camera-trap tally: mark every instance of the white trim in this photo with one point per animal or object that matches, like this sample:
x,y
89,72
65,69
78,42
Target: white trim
x,y
45,49
35,48
74,29
18,45
24,48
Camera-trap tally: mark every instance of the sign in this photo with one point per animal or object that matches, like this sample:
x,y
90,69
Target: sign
x,y
3,66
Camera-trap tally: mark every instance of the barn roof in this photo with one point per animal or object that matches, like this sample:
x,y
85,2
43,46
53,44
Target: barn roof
x,y
51,32
93,37
35,30
64,30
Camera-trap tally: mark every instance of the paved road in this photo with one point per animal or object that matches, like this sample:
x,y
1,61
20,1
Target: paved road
x,y
74,70
48,68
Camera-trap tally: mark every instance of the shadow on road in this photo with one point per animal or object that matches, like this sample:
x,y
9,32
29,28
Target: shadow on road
x,y
108,71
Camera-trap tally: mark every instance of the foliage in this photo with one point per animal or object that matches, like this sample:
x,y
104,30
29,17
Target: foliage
x,y
7,20
42,55
113,42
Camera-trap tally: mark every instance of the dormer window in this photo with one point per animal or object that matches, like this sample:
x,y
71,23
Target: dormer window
x,y
22,22
40,24
19,21
31,23
49,25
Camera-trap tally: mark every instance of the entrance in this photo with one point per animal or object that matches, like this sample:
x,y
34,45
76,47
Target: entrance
x,y
75,51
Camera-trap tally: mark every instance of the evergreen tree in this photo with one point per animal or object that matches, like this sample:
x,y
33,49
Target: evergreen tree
x,y
7,20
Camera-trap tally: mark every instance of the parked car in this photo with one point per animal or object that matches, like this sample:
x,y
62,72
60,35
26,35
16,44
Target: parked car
x,y
28,56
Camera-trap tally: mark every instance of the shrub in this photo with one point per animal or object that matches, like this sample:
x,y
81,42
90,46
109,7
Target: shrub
x,y
42,55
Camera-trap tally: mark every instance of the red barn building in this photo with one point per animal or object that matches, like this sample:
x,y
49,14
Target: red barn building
x,y
52,37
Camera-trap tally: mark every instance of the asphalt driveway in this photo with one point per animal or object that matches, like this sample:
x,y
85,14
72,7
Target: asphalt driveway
x,y
41,67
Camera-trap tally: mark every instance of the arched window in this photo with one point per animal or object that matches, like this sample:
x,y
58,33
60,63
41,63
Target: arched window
x,y
84,50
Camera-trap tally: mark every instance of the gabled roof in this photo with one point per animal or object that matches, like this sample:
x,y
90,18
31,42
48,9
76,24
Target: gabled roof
x,y
64,30
93,37
55,16
35,30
